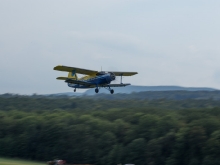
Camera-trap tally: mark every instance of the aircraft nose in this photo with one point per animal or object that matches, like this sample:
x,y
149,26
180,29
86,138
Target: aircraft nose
x,y
113,77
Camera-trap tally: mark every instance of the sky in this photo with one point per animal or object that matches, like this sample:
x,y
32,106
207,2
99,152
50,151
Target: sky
x,y
167,42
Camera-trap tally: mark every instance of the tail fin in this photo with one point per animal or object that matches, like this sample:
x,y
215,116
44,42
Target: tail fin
x,y
73,75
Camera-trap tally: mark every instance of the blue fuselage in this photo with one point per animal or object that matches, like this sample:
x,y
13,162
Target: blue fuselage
x,y
95,81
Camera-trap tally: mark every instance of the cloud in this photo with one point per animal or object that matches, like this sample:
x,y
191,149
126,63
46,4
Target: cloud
x,y
110,40
193,48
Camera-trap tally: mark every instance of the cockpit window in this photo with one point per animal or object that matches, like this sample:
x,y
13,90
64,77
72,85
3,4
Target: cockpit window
x,y
100,73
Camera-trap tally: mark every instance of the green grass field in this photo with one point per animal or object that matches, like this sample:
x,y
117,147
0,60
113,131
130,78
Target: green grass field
x,y
8,161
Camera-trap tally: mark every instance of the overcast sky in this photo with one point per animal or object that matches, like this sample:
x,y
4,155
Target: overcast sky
x,y
168,42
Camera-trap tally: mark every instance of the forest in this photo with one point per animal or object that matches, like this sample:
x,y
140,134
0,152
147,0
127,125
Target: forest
x,y
83,130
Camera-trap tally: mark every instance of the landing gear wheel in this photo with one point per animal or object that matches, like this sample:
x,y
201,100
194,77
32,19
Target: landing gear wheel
x,y
96,90
74,90
111,91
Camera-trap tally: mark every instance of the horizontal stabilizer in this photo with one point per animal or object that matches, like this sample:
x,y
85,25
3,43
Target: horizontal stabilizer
x,y
62,78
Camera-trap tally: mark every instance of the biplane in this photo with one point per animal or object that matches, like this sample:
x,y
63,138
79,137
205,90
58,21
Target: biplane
x,y
91,78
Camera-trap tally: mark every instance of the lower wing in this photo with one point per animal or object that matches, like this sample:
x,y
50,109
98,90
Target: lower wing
x,y
114,85
69,80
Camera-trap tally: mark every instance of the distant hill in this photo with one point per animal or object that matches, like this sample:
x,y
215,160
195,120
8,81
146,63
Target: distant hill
x,y
135,91
66,94
132,88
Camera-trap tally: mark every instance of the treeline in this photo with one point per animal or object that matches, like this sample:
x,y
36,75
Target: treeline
x,y
45,103
144,132
170,95
145,95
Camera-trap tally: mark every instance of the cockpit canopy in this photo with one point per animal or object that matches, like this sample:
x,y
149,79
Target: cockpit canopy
x,y
112,75
100,73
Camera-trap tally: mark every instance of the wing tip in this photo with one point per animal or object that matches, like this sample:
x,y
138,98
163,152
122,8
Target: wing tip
x,y
56,67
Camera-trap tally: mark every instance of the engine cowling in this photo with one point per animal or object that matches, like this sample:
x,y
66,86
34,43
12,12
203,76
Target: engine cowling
x,y
110,78
112,75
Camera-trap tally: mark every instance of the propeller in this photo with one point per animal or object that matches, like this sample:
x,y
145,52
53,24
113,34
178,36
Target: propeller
x,y
117,80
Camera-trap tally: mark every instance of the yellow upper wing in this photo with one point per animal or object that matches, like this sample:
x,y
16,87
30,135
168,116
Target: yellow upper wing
x,y
89,72
76,70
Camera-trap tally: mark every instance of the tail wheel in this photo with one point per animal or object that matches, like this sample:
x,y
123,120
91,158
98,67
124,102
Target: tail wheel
x,y
74,90
96,90
111,91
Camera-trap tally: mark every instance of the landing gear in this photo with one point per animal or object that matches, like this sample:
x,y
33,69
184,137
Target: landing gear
x,y
106,87
74,90
110,90
96,90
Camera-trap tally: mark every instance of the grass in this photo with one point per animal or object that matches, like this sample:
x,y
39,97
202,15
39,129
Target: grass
x,y
8,161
